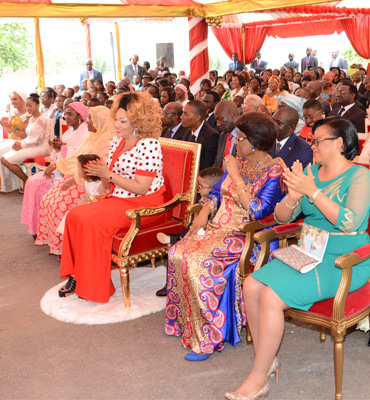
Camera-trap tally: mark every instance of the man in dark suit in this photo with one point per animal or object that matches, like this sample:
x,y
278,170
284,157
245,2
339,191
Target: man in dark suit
x,y
315,89
258,65
345,95
171,121
291,63
309,60
236,65
133,69
90,73
193,117
357,81
210,100
338,62
288,146
226,112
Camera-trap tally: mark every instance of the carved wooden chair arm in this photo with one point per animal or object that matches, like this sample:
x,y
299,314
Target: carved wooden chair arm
x,y
195,209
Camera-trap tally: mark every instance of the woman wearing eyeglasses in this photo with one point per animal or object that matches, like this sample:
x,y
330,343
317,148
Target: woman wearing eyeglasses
x,y
334,196
204,300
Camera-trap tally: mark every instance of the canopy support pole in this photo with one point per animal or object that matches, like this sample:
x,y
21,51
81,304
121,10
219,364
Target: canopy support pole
x,y
119,67
88,41
39,57
243,40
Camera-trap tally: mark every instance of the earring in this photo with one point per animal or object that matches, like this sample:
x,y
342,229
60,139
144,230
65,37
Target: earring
x,y
135,133
253,148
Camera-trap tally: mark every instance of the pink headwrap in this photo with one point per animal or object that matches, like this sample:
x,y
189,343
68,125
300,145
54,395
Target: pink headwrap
x,y
80,109
184,89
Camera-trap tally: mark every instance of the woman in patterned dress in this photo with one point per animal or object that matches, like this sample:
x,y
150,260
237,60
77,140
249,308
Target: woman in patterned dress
x,y
334,196
134,174
204,302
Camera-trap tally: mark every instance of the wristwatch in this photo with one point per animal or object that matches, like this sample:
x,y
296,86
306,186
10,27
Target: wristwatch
x,y
313,198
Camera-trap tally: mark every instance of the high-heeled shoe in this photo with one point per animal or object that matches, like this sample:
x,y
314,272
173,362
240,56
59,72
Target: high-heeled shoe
x,y
274,369
264,392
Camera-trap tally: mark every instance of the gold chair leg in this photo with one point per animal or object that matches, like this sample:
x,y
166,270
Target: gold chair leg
x,y
338,366
249,336
125,283
153,262
323,335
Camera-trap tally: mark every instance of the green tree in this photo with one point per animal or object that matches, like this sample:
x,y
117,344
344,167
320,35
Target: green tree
x,y
14,46
215,64
352,57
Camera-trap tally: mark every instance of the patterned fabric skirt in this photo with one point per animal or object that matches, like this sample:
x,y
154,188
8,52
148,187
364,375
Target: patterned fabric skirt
x,y
35,189
204,297
54,205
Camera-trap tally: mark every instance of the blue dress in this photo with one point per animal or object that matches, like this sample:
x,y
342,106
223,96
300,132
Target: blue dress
x,y
204,300
351,190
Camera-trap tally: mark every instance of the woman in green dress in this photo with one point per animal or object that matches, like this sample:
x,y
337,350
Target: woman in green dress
x,y
334,196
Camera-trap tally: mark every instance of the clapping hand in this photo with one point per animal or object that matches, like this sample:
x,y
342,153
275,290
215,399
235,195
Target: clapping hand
x,y
298,183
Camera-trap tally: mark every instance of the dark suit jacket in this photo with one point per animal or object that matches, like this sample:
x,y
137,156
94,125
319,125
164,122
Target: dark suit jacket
x,y
208,137
221,150
211,121
325,105
95,75
179,135
260,68
292,64
312,63
360,102
294,149
129,71
239,67
355,115
361,89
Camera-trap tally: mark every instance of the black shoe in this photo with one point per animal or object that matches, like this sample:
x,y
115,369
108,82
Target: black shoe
x,y
162,292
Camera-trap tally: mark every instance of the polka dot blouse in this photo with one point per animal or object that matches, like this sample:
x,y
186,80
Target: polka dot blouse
x,y
143,158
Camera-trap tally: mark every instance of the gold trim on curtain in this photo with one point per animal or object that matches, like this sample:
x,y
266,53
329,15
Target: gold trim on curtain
x,y
119,67
39,56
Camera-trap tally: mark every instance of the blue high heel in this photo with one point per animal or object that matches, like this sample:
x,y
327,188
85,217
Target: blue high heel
x,y
197,357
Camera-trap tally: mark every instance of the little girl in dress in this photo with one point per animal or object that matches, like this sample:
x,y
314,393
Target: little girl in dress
x,y
93,186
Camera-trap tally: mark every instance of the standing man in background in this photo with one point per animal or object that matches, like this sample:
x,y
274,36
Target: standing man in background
x,y
133,69
90,73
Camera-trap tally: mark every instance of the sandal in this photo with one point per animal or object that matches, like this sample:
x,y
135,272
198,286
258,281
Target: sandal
x,y
68,289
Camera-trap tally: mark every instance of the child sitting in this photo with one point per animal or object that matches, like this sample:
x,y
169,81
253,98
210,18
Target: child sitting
x,y
93,186
206,179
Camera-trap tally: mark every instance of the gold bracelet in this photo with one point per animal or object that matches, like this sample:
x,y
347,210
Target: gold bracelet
x,y
240,183
292,208
244,190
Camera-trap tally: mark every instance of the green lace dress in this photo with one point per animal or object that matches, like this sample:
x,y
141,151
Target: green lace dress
x,y
351,190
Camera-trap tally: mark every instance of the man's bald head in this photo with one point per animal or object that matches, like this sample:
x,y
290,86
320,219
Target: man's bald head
x,y
226,113
286,119
315,89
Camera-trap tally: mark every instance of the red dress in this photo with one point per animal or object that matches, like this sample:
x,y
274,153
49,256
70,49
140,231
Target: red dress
x,y
90,228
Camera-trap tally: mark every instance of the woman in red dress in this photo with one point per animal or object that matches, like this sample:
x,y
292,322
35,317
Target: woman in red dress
x,y
134,174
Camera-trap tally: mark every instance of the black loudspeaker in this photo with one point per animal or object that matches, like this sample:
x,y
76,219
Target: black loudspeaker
x,y
166,50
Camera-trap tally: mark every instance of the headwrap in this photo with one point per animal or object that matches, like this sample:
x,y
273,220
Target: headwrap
x,y
184,89
330,76
294,102
226,95
80,109
275,78
257,78
96,143
22,95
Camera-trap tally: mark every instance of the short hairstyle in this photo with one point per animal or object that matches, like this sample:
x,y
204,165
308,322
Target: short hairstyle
x,y
199,107
62,95
156,88
163,82
105,95
215,95
259,128
84,159
340,127
144,113
352,87
94,100
72,90
312,103
87,94
241,79
307,78
108,103
212,174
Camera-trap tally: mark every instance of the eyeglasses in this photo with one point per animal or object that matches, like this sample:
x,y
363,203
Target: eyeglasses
x,y
204,187
311,118
239,139
168,112
316,142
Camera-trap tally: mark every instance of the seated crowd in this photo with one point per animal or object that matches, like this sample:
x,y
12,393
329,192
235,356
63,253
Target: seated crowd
x,y
273,141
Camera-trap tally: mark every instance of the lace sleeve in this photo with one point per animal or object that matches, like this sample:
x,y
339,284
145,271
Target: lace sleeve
x,y
37,133
356,207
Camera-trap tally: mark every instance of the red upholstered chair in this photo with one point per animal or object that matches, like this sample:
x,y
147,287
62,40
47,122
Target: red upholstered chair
x,y
338,313
139,243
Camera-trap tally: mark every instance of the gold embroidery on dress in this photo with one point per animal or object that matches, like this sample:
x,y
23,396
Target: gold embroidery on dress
x,y
348,222
334,189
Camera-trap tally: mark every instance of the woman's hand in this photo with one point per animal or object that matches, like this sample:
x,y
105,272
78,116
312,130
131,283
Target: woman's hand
x,y
17,146
68,184
231,165
98,168
200,222
49,170
298,183
56,144
5,124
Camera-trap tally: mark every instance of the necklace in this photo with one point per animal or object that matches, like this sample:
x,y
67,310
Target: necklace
x,y
249,171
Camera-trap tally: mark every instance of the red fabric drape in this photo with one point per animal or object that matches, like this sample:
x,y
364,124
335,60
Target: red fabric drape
x,y
232,42
88,41
357,31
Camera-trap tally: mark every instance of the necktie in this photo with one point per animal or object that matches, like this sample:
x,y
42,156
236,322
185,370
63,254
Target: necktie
x,y
170,134
258,63
341,111
193,138
135,69
228,144
277,149
235,66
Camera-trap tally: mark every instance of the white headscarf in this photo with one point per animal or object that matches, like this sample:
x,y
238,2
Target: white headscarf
x,y
22,95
